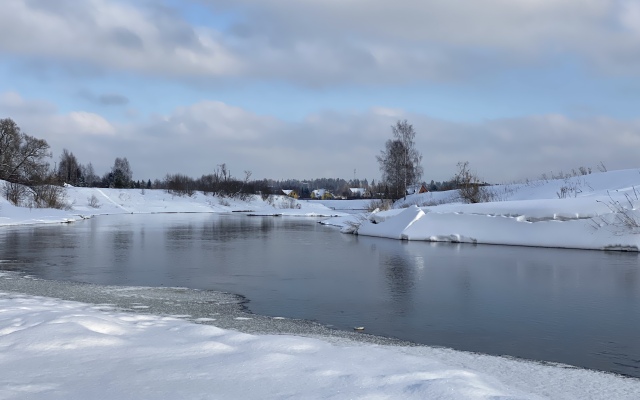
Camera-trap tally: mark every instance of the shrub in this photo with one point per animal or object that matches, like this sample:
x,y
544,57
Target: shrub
x,y
15,193
49,196
93,202
623,219
379,204
471,189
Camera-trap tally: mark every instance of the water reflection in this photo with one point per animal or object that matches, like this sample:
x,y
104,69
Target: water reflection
x,y
400,274
577,307
121,242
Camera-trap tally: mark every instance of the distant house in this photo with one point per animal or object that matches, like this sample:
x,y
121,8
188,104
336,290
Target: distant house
x,y
321,194
359,192
413,189
290,193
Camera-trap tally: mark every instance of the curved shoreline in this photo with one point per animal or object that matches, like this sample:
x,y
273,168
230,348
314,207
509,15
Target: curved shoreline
x,y
370,364
224,310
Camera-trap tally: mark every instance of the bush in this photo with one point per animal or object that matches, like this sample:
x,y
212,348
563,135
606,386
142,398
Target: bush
x,y
16,193
471,189
40,196
93,202
49,196
379,204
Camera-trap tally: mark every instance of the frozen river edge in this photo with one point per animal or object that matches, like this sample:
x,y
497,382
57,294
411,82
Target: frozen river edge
x,y
318,362
224,310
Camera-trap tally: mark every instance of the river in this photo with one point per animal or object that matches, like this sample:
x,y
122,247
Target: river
x,y
568,306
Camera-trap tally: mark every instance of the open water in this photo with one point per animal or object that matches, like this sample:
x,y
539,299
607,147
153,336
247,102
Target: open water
x,y
568,306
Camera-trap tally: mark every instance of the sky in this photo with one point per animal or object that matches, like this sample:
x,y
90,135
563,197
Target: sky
x,y
308,89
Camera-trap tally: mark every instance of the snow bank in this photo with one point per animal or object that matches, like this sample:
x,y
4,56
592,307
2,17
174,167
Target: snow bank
x,y
540,213
12,215
86,202
393,228
54,349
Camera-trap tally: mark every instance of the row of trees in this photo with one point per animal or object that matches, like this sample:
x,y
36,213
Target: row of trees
x,y
71,172
220,183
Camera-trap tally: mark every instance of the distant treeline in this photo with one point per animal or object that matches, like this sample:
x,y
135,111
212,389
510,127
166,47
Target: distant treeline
x,y
33,181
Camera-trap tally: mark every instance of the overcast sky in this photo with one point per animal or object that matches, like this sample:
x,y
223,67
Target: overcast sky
x,y
306,89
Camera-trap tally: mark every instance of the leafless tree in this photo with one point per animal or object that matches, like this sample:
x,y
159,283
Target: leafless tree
x,y
22,157
179,184
400,160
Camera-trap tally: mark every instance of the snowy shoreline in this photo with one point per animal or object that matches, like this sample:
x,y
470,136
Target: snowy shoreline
x,y
55,348
65,349
600,212
89,202
593,212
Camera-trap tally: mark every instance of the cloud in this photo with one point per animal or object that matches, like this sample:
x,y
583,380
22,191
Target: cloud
x,y
323,43
120,35
432,39
78,131
194,139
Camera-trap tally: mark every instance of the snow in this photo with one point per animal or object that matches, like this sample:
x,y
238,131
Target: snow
x,y
55,349
582,212
358,204
68,350
396,225
87,202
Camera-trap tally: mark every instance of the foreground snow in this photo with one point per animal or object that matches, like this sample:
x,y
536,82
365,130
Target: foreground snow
x,y
86,202
54,349
529,214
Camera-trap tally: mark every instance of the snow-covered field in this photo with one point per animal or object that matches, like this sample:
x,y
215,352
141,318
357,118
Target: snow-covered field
x,y
55,349
597,211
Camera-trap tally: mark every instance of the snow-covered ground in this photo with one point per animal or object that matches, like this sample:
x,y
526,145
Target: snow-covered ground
x,y
86,202
597,211
338,205
55,349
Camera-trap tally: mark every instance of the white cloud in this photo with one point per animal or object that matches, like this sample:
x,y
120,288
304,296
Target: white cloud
x,y
435,39
320,42
87,123
112,34
194,139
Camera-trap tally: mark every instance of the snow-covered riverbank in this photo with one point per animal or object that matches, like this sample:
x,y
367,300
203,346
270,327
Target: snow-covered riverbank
x,y
54,349
597,211
87,202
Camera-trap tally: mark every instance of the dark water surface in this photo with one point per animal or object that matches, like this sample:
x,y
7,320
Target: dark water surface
x,y
576,307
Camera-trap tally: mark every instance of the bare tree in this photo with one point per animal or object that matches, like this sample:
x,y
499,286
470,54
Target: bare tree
x,y
180,185
22,157
400,160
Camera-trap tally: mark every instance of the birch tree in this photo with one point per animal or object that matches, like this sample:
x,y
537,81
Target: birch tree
x,y
400,160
